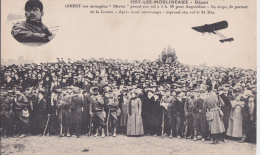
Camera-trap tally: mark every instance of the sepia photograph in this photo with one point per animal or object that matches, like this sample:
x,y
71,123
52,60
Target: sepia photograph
x,y
32,31
128,77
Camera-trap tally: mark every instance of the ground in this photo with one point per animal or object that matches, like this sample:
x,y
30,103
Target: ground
x,y
53,145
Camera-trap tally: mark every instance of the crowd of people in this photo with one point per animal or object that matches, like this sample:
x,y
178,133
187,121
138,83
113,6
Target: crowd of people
x,y
107,97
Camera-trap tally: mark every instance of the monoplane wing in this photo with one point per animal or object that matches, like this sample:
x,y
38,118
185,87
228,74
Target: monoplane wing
x,y
211,28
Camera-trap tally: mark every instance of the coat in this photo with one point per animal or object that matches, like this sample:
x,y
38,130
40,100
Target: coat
x,y
155,117
226,109
64,104
112,103
171,111
134,120
198,113
41,113
85,113
97,106
6,109
124,107
236,120
179,108
27,31
76,109
210,104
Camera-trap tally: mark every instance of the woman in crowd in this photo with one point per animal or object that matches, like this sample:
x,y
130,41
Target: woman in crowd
x,y
134,120
236,118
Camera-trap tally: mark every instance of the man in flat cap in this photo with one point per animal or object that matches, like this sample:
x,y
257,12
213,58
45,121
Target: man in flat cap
x,y
41,112
111,104
189,107
21,113
168,103
6,113
32,30
76,111
96,110
64,105
226,109
180,116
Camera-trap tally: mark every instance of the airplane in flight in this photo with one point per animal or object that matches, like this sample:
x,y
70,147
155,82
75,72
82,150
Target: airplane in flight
x,y
213,28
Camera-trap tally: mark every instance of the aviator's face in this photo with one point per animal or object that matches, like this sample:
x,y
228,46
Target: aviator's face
x,y
33,14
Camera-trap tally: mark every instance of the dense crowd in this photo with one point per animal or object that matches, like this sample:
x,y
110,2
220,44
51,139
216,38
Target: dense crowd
x,y
110,97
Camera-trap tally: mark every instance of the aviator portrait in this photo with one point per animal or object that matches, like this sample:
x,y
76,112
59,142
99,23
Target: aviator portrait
x,y
32,31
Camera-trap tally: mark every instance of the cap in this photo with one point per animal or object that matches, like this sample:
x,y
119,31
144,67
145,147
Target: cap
x,y
178,92
33,3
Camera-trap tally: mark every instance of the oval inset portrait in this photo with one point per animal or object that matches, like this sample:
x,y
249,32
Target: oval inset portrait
x,y
32,31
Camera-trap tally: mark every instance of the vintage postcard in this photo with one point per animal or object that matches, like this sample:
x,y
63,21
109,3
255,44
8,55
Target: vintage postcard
x,y
128,77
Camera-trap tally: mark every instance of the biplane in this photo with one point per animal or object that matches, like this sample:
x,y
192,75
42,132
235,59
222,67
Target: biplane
x,y
213,28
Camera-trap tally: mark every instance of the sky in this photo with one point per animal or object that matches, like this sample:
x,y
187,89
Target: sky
x,y
136,37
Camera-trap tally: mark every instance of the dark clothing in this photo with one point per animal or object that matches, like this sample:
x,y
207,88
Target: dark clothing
x,y
124,103
79,84
190,113
146,111
76,109
112,103
97,109
155,113
64,103
6,115
22,123
226,109
26,83
41,115
28,31
76,113
86,115
170,112
179,106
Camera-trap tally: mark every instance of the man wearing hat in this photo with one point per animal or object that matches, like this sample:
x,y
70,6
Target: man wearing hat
x,y
85,114
6,113
226,109
111,104
180,116
190,112
123,105
97,112
79,82
63,104
199,122
76,111
9,83
146,110
41,112
25,82
86,84
168,103
32,30
155,119
211,104
21,113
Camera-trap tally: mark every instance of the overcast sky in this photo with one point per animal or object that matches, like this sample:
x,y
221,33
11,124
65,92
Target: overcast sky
x,y
136,37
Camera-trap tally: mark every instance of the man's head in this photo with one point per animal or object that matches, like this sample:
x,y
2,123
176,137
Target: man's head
x,y
33,10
